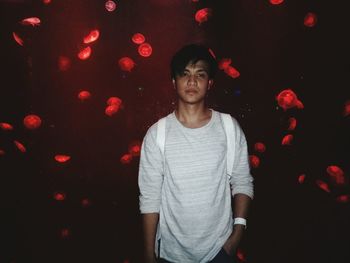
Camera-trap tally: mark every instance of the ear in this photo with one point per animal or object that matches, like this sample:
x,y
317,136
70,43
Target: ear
x,y
211,82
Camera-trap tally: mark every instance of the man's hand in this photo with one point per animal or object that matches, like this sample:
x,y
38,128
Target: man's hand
x,y
232,242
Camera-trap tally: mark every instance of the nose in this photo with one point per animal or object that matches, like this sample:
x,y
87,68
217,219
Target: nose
x,y
192,80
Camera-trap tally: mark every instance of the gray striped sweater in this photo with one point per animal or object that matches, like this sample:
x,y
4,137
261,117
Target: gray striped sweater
x,y
190,188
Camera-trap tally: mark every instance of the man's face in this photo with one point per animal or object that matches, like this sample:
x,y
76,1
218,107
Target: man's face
x,y
192,85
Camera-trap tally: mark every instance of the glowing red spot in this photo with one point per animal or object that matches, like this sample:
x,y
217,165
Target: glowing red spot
x,y
336,175
110,6
6,126
343,198
46,2
301,178
32,122
18,39
114,101
323,186
85,202
202,15
145,50
232,72
135,148
92,36
85,53
20,146
287,140
292,123
254,161
260,147
84,95
32,21
2,152
61,158
224,63
212,53
276,2
65,233
347,108
59,196
310,19
126,64
138,38
241,256
287,99
111,110
126,158
63,63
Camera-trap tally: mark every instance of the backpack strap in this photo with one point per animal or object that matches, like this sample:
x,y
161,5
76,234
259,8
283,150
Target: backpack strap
x,y
161,134
229,131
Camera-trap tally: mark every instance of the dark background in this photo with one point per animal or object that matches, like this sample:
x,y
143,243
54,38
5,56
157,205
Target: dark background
x,y
273,51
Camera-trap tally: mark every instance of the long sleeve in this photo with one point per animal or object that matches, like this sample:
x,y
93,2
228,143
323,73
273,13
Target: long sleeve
x,y
150,173
241,179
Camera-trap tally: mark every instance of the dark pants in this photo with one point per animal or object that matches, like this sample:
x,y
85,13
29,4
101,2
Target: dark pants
x,y
221,257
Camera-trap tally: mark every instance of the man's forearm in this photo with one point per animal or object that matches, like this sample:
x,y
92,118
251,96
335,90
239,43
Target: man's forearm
x,y
241,207
149,222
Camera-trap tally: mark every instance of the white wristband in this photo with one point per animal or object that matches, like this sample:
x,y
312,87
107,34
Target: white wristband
x,y
240,221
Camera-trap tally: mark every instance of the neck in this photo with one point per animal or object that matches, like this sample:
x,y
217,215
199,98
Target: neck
x,y
193,116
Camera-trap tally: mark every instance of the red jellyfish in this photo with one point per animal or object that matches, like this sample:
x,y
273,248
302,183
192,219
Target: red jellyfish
x,y
112,109
310,20
241,255
202,15
260,147
301,178
46,2
114,104
32,122
212,53
254,161
126,158
135,148
232,72
85,53
65,233
292,123
59,196
61,158
85,202
276,2
110,6
287,140
287,99
138,38
336,174
17,39
84,95
145,50
224,63
32,21
323,186
114,101
6,126
126,64
346,108
20,146
63,63
92,36
343,198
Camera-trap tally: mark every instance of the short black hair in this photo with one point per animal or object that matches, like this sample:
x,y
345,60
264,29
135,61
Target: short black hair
x,y
192,54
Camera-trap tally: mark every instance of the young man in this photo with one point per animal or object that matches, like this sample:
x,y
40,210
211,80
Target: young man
x,y
185,193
